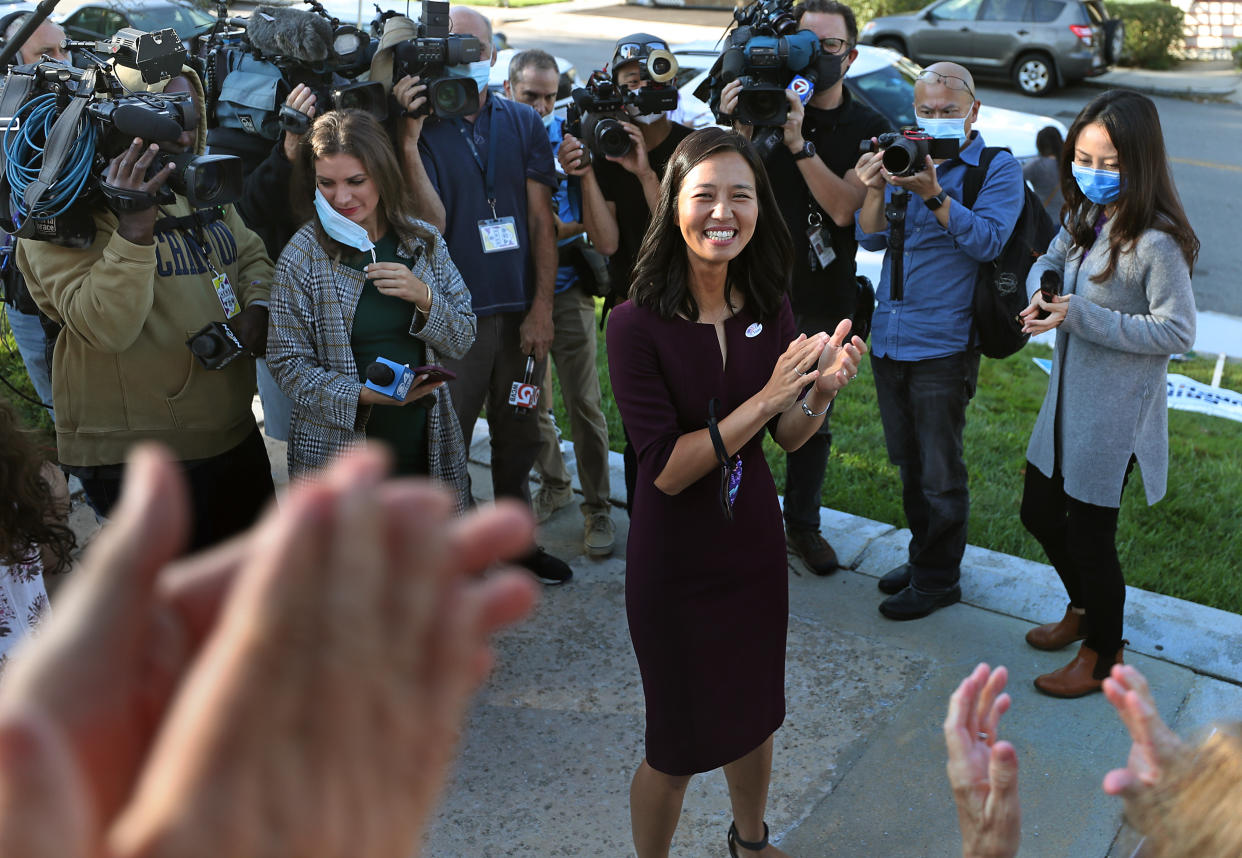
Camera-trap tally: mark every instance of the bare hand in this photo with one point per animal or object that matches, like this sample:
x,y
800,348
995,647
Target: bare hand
x,y
128,171
869,169
1056,310
983,772
412,96
537,331
838,362
925,183
250,325
421,387
1154,746
728,107
301,99
634,161
574,157
793,122
397,280
794,370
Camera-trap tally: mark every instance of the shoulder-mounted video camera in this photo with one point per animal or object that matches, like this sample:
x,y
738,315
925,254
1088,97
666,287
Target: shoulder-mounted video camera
x,y
906,151
598,109
430,54
61,125
766,50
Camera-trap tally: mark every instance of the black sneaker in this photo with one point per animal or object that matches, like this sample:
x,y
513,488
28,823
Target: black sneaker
x,y
548,569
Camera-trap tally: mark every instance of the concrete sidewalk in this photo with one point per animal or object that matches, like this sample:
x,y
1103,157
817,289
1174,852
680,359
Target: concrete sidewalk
x,y
1217,80
859,764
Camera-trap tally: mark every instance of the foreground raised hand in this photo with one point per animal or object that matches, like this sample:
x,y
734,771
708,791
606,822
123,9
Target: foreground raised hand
x,y
982,770
1154,746
319,715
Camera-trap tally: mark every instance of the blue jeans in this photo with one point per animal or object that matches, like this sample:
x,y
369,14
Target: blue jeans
x,y
923,411
28,332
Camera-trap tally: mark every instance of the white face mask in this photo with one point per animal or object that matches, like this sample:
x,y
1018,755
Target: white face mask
x,y
340,227
480,71
548,120
649,118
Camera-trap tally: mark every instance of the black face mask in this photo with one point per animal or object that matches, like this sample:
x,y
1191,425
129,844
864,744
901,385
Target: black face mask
x,y
829,71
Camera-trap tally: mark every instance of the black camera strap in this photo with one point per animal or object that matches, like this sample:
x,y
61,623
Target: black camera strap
x,y
192,227
63,136
489,169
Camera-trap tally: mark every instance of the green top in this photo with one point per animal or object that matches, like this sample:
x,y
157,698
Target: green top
x,y
382,328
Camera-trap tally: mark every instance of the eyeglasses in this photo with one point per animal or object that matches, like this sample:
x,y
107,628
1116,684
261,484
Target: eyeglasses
x,y
833,46
948,81
633,50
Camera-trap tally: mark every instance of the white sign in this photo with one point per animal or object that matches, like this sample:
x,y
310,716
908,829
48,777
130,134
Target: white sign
x,y
1186,394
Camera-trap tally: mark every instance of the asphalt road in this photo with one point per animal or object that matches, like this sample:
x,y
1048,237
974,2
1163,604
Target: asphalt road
x,y
1202,138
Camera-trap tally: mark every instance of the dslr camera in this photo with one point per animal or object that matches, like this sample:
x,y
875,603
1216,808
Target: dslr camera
x,y
598,110
765,51
73,121
906,151
430,53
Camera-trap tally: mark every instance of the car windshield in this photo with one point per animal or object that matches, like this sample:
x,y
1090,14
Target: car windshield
x,y
182,19
890,90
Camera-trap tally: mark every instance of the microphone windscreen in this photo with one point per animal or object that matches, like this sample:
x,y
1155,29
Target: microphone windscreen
x,y
136,120
1050,281
296,33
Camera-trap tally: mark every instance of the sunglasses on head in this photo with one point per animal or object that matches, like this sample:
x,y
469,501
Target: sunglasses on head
x,y
630,50
948,81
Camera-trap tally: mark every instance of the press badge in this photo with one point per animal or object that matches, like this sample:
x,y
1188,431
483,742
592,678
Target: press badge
x,y
497,234
822,252
224,291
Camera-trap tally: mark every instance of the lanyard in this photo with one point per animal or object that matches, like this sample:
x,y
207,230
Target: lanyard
x,y
489,171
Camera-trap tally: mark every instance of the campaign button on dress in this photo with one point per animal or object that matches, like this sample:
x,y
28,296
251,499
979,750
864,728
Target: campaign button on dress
x,y
754,330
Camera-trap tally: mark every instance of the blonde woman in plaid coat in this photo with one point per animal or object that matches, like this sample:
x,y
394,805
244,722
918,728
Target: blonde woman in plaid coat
x,y
328,308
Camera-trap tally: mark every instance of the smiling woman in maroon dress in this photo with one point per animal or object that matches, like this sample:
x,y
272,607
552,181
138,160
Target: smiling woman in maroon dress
x,y
703,358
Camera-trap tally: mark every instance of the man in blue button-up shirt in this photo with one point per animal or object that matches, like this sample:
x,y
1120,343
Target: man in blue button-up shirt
x,y
922,349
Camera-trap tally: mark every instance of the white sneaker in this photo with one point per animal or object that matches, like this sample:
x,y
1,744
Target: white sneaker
x,y
599,534
548,500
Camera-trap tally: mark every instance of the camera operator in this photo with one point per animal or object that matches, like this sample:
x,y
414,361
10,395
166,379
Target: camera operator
x,y
123,372
23,314
813,177
922,349
533,79
486,182
619,194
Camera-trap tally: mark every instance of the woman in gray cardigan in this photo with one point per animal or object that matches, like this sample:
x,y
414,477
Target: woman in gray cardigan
x,y
1124,256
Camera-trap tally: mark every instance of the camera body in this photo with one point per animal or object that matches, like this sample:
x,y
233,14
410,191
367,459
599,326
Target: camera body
x,y
765,51
73,121
598,110
389,378
906,151
430,54
216,345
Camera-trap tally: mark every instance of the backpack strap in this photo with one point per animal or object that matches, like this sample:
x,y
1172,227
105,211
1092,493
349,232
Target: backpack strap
x,y
973,182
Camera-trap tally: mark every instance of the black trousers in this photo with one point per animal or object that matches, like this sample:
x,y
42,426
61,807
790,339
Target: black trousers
x,y
1080,540
227,492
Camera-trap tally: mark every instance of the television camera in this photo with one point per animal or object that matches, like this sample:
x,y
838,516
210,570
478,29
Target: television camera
x,y
766,50
598,110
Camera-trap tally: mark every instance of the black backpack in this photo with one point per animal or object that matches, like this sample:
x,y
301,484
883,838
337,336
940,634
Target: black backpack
x,y
1000,289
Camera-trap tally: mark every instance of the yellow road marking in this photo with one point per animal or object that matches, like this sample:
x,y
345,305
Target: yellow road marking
x,y
1210,164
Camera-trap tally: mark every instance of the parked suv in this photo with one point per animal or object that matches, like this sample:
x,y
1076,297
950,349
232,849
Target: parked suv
x,y
1038,44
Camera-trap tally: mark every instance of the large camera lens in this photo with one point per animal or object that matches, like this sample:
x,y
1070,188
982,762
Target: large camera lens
x,y
610,138
763,105
903,158
206,180
455,96
661,66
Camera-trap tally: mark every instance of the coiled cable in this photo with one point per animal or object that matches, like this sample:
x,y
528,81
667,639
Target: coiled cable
x,y
24,140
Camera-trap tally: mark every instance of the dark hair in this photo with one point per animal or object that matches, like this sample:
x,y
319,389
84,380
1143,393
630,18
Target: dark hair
x,y
759,272
830,7
29,519
1048,142
356,133
532,58
1149,199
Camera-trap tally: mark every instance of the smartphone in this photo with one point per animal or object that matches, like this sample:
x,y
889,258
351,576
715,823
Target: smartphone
x,y
1049,288
435,373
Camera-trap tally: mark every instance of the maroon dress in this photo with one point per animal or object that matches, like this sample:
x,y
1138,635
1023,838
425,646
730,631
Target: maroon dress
x,y
707,598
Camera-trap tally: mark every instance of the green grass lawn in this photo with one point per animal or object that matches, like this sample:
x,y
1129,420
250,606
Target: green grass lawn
x,y
1185,546
13,372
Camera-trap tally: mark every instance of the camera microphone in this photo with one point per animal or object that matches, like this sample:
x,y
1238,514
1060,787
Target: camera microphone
x,y
295,33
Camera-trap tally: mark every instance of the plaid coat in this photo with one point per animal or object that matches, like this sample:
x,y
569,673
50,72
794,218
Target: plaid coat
x,y
311,316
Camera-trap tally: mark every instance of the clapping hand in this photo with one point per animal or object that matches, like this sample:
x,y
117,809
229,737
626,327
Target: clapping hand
x,y
838,362
1154,744
983,771
794,370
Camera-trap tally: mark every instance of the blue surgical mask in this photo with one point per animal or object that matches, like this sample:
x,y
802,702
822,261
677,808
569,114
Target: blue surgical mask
x,y
945,129
340,227
480,71
1100,186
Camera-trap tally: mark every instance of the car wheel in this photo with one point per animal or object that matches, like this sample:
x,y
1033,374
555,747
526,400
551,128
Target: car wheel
x,y
1035,74
892,44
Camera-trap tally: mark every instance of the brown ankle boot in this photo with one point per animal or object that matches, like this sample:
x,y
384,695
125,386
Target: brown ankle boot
x,y
1084,675
1053,636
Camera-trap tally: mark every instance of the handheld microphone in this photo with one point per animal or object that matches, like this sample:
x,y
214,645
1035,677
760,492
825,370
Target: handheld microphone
x,y
390,378
1049,287
294,33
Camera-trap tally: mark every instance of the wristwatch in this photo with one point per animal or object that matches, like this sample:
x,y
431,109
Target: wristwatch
x,y
808,151
937,201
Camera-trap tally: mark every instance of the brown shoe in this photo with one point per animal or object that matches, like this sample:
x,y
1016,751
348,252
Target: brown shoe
x,y
1082,676
1053,636
814,550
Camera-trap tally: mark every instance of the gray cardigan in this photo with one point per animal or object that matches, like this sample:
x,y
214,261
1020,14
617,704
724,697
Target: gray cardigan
x,y
1109,368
